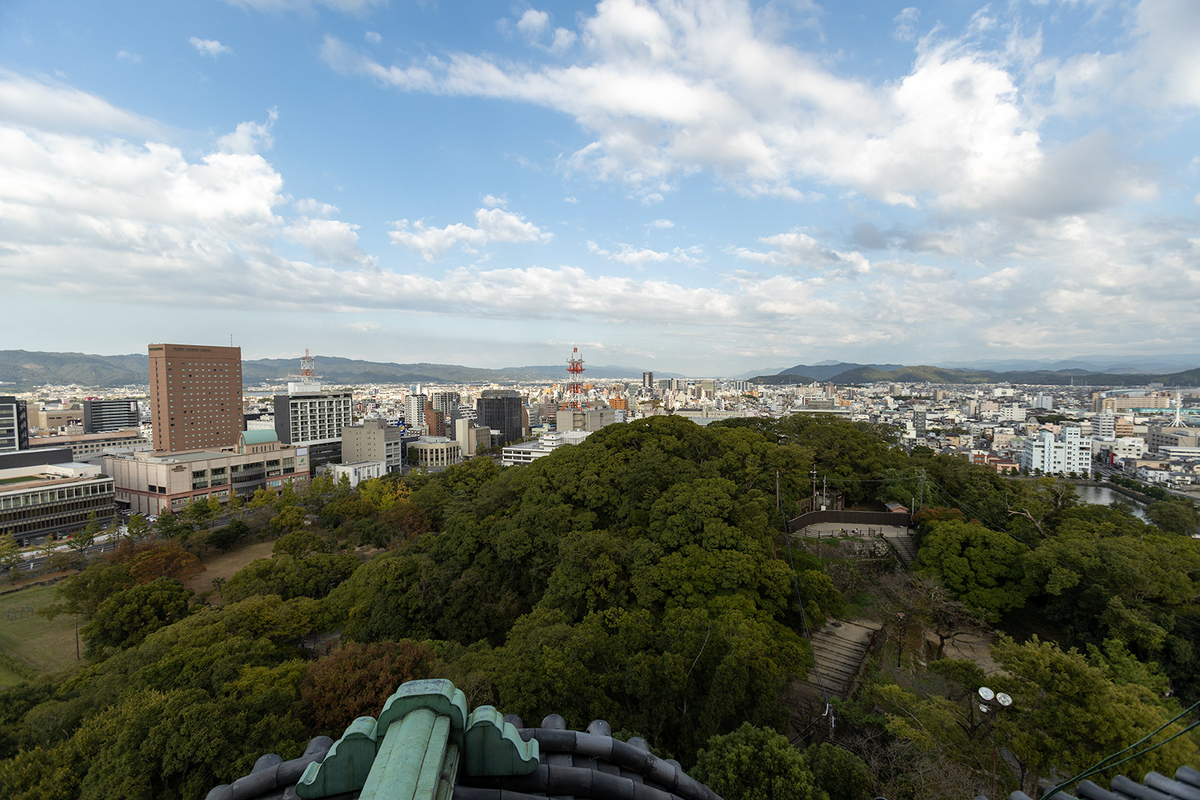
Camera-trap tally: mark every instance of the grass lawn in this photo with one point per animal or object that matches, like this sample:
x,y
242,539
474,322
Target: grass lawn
x,y
46,645
225,565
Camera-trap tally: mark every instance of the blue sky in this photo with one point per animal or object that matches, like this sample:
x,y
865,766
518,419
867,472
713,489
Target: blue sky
x,y
705,188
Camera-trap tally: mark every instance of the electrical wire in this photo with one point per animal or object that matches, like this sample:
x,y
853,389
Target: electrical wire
x,y
1101,765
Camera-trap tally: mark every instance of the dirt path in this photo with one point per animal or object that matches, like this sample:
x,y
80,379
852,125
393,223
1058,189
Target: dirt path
x,y
226,564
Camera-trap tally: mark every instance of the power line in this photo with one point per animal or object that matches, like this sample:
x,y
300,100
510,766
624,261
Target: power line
x,y
1100,765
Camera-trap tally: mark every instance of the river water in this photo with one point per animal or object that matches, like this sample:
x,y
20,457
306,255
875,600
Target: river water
x,y
1103,496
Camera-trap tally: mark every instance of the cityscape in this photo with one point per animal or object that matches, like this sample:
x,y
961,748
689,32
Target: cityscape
x,y
605,399
125,446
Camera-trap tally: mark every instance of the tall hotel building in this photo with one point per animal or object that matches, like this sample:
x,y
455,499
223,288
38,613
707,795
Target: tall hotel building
x,y
195,397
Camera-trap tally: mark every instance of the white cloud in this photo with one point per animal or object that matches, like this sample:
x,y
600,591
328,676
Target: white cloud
x,y
662,224
640,256
373,37
905,20
209,47
570,199
30,103
363,327
491,201
129,56
312,207
250,137
330,240
492,225
796,249
563,39
533,22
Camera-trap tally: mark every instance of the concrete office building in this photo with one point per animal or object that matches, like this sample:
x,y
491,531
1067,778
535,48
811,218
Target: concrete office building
x,y
44,493
470,437
55,418
102,416
86,446
592,419
14,425
308,416
153,482
501,410
648,380
375,440
195,397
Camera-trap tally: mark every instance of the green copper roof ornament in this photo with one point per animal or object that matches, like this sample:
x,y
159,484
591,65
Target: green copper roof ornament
x,y
413,750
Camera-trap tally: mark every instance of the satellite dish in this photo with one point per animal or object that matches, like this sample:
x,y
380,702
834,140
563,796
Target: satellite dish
x,y
1003,699
986,693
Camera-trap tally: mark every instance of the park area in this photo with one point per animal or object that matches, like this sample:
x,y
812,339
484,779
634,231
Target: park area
x,y
30,643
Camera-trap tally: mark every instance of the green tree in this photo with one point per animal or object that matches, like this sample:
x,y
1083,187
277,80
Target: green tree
x,y
138,528
979,566
838,772
10,556
1068,714
755,764
128,616
1176,515
82,540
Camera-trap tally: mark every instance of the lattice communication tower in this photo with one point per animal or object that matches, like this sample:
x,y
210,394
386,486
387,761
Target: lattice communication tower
x,y
308,366
575,393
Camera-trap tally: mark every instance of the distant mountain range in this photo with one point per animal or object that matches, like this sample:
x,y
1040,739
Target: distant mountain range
x,y
20,369
872,373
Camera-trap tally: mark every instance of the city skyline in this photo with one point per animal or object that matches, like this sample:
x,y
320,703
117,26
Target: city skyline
x,y
707,188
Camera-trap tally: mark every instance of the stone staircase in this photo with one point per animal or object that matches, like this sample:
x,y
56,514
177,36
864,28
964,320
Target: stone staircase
x,y
905,545
839,649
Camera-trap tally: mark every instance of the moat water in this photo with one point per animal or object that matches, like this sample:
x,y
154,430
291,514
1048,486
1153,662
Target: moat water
x,y
1103,496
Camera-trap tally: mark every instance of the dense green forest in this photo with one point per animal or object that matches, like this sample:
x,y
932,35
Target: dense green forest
x,y
640,577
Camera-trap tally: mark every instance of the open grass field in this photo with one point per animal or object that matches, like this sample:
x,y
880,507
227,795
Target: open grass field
x,y
45,645
226,564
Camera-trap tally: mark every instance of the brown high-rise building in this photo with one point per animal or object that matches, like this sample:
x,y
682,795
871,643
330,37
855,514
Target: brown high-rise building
x,y
195,396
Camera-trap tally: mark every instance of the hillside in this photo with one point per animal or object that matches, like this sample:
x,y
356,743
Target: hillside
x,y
21,369
928,374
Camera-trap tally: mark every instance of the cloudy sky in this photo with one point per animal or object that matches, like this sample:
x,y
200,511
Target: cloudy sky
x,y
702,187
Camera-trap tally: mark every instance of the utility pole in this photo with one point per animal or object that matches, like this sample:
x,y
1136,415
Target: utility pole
x,y
777,503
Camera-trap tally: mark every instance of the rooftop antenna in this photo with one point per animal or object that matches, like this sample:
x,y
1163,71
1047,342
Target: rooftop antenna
x,y
1178,422
308,366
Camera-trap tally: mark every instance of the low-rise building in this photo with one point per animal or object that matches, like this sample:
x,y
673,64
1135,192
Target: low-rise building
x,y
528,452
151,483
85,446
434,452
357,472
43,493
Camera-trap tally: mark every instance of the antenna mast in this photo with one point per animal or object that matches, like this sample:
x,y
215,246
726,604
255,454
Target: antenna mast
x,y
308,367
575,393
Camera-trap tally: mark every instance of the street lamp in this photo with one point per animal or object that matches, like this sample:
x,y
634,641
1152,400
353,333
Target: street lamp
x,y
1004,701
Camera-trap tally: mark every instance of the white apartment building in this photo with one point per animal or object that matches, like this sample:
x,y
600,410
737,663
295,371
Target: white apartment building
x,y
1058,454
414,412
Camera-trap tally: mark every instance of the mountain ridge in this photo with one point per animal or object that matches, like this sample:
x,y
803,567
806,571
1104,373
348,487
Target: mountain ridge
x,y
30,368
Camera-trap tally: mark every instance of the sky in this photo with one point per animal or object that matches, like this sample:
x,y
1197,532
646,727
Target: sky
x,y
708,188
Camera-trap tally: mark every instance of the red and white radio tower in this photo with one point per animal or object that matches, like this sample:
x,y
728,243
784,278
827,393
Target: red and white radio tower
x,y
575,392
308,366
